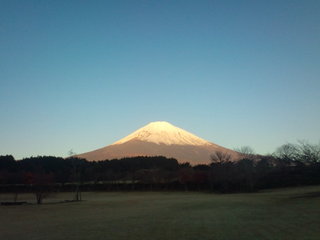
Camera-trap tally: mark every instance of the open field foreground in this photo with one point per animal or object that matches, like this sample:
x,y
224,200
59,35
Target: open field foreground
x,y
278,214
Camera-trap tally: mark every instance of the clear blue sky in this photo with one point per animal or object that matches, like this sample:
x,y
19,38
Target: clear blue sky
x,y
82,74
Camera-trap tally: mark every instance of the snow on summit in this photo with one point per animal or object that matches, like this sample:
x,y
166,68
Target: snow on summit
x,y
164,133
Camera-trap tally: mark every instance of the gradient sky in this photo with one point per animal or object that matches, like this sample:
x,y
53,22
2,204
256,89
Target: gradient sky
x,y
82,74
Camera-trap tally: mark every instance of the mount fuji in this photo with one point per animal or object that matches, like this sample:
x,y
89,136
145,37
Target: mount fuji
x,y
161,139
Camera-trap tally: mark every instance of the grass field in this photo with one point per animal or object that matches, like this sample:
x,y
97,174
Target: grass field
x,y
292,213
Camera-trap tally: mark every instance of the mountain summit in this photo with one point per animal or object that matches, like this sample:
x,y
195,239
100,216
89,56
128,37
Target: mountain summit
x,y
164,133
161,139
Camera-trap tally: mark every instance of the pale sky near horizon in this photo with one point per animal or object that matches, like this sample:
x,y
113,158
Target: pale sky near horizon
x,y
81,75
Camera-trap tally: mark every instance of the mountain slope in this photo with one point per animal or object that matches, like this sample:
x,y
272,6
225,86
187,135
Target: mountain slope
x,y
161,138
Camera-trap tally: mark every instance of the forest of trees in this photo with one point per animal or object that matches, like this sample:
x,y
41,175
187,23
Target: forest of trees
x,y
291,165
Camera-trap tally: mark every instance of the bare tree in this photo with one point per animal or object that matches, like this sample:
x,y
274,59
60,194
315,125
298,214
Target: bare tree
x,y
303,151
76,174
220,157
42,186
221,171
308,152
287,151
245,150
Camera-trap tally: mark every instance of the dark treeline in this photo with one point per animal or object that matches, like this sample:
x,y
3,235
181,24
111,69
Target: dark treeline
x,y
70,170
290,165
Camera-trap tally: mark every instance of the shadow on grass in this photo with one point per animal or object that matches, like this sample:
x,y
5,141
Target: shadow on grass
x,y
45,203
12,203
307,195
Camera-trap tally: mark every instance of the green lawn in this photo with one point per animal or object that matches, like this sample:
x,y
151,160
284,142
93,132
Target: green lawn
x,y
292,213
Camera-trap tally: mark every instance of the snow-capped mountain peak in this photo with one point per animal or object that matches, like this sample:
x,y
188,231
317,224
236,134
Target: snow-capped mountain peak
x,y
162,132
161,139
